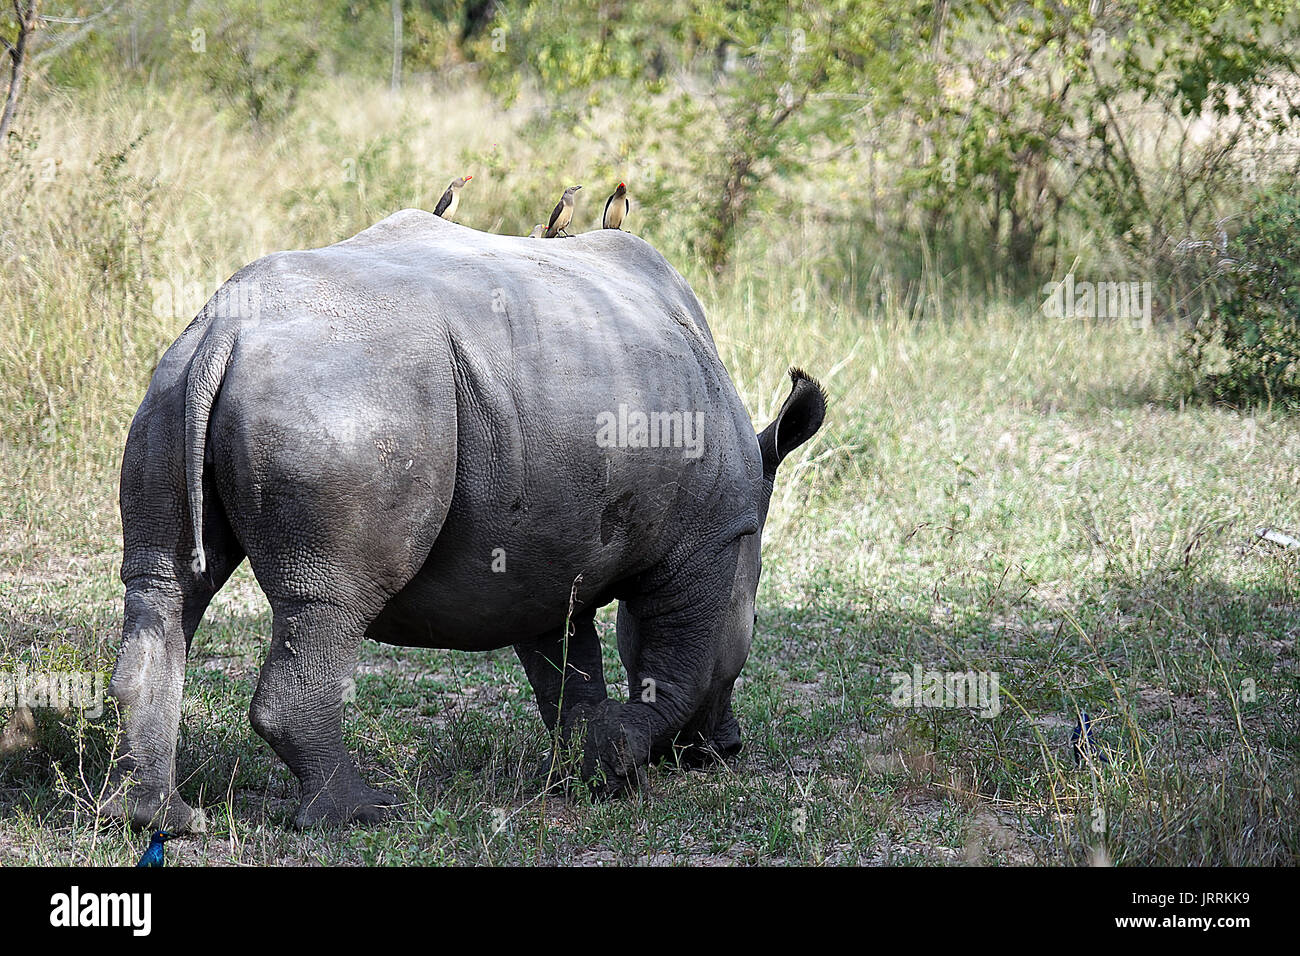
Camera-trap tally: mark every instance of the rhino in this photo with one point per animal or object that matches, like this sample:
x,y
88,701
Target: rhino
x,y
432,436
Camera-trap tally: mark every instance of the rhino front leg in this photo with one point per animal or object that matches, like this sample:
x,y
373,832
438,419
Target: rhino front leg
x,y
575,699
582,688
298,710
148,681
668,640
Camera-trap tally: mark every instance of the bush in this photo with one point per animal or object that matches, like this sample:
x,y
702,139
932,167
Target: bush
x,y
1247,351
257,58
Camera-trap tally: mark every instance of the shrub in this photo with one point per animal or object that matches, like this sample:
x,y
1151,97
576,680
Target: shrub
x,y
257,58
1247,351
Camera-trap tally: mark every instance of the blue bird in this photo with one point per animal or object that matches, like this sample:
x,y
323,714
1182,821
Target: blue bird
x,y
1082,742
154,855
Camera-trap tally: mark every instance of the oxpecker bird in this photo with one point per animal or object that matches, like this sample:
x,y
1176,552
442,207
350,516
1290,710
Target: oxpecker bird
x,y
538,232
446,207
154,855
562,215
616,208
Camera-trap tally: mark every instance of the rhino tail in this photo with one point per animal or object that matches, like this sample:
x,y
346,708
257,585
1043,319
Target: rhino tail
x,y
207,371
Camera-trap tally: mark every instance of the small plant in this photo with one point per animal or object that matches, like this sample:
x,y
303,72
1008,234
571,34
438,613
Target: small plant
x,y
1248,350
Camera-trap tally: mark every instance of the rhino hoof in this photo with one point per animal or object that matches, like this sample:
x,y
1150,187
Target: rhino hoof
x,y
610,759
357,804
149,812
608,786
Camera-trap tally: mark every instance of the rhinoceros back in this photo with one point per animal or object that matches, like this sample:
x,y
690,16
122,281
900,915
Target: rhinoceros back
x,y
595,429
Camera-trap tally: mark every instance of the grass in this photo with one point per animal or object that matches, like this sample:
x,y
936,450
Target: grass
x,y
993,491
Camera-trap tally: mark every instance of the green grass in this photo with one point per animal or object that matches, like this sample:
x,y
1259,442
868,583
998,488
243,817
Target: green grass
x,y
993,490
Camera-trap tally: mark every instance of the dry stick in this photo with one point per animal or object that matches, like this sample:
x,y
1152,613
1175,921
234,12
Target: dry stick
x,y
96,800
506,820
978,797
1159,658
236,845
1277,537
1241,731
557,733
1236,712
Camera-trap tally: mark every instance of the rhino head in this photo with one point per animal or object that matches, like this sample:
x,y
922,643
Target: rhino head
x,y
714,732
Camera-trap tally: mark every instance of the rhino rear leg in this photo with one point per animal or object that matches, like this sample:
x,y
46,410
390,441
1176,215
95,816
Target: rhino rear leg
x,y
298,710
163,607
148,681
323,597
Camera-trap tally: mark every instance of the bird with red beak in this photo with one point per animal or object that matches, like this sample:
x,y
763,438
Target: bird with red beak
x,y
561,215
616,208
450,200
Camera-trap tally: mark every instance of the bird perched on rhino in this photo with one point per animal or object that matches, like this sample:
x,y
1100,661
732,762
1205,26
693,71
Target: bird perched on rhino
x,y
562,214
154,855
450,200
538,232
616,208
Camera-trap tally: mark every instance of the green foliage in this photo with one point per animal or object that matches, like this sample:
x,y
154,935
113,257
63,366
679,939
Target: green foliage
x,y
1015,137
718,100
429,40
572,50
1016,121
258,57
1248,350
799,74
1047,110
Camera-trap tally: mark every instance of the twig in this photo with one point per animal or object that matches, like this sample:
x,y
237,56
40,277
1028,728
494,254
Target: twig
x,y
1278,538
558,734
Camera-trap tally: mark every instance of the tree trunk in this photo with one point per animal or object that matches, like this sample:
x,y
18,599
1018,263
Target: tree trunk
x,y
17,57
397,45
727,213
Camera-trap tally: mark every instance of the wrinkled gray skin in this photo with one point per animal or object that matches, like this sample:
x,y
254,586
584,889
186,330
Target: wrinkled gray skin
x,y
377,427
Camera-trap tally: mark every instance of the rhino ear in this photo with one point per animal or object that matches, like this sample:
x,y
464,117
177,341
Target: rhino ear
x,y
800,417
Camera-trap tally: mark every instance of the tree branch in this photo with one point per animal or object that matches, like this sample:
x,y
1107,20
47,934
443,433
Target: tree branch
x,y
71,39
